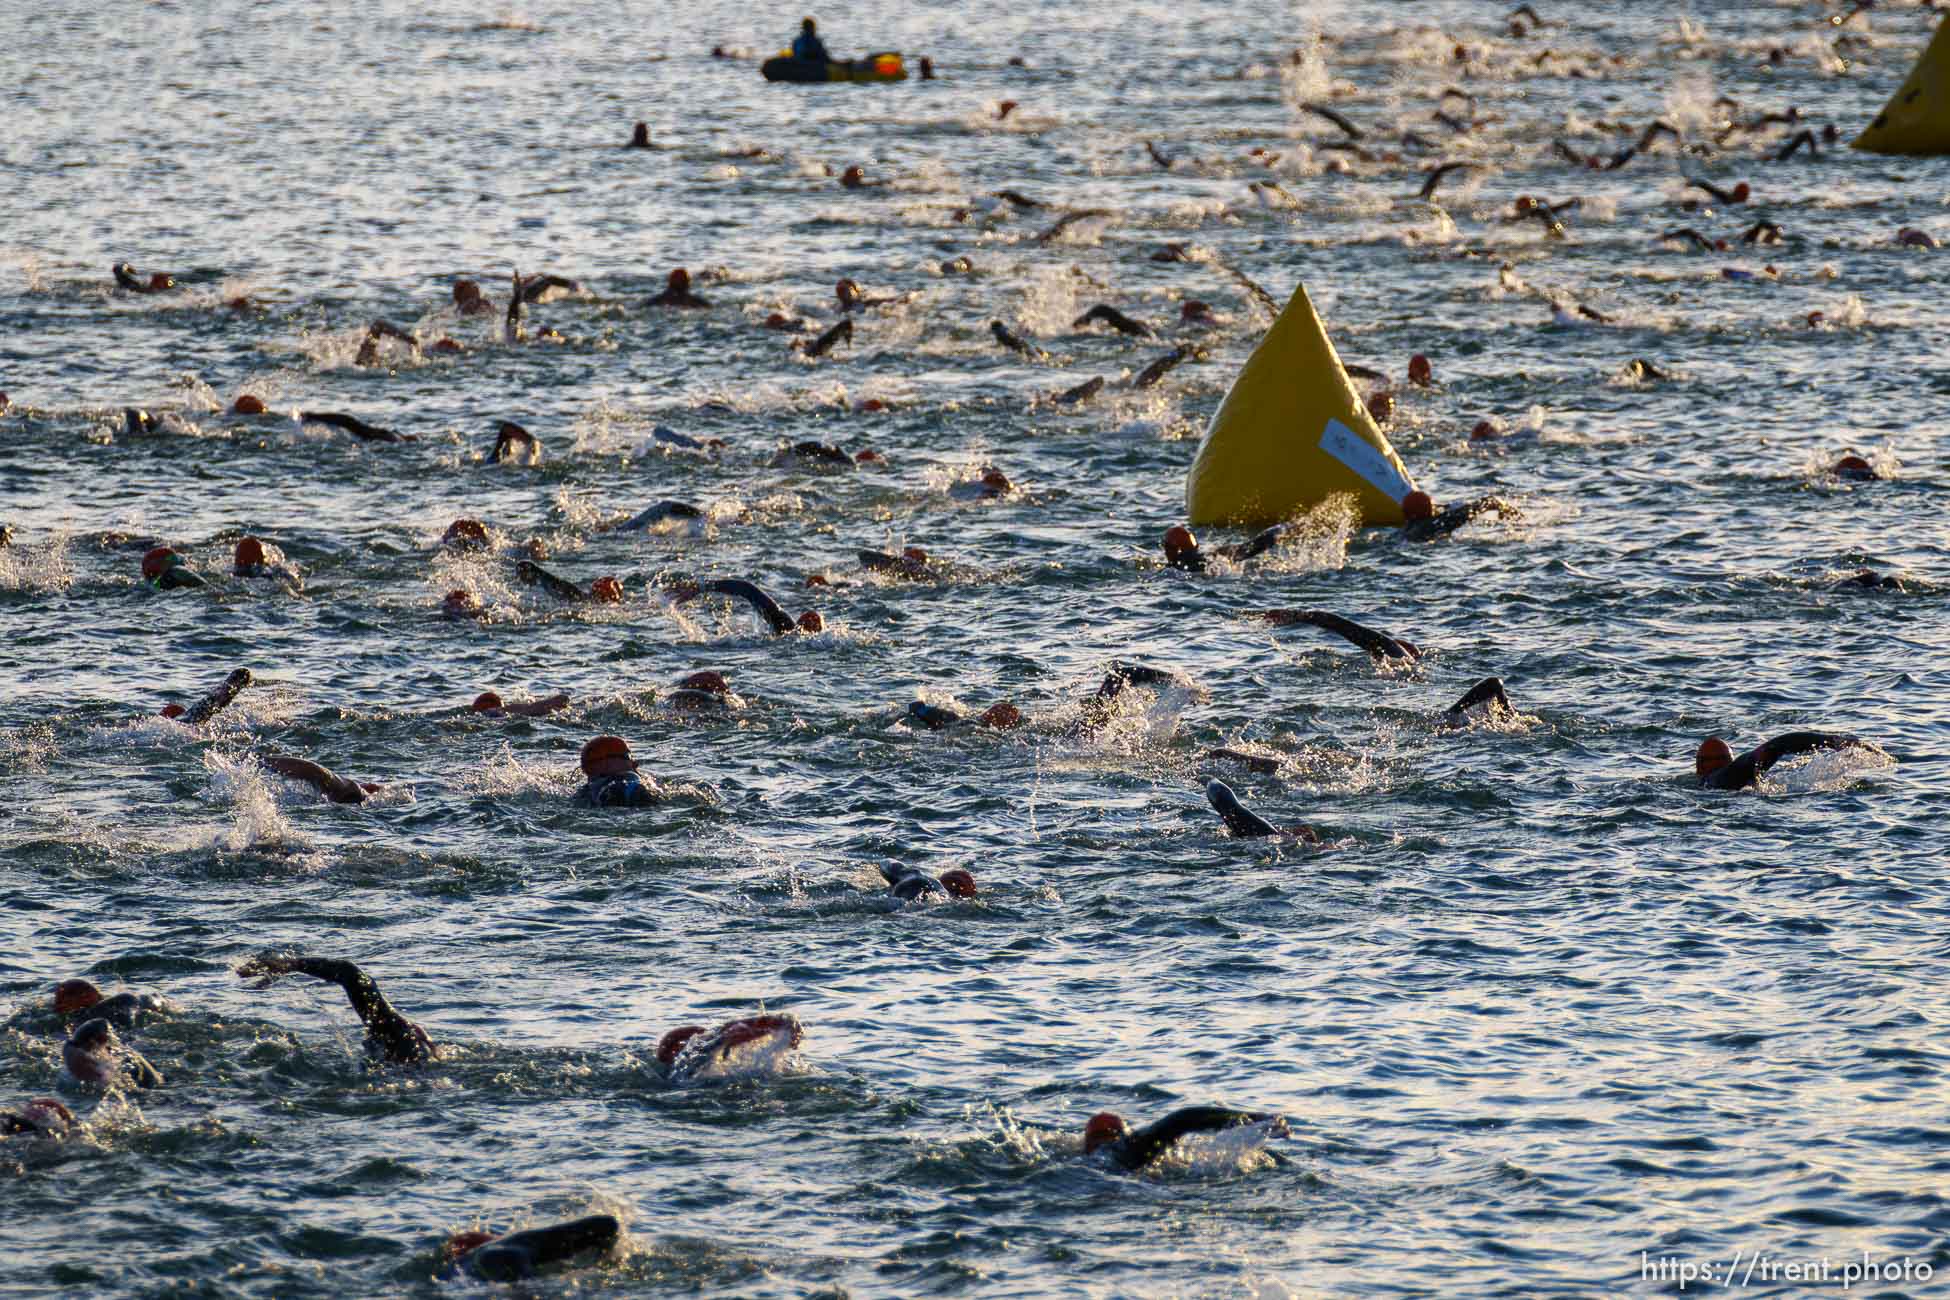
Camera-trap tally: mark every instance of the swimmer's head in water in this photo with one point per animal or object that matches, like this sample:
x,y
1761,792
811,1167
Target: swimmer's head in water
x,y
607,756
460,604
1420,372
995,480
1003,716
914,555
1179,543
1418,505
250,552
1103,1129
707,681
853,177
487,702
811,621
466,534
71,996
671,1045
47,1115
848,291
465,292
608,590
958,882
1382,407
159,561
1194,310
462,1243
1711,756
1852,467
247,405
679,281
173,710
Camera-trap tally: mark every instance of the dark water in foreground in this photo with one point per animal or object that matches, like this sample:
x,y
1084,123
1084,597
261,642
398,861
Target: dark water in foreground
x,y
1544,1016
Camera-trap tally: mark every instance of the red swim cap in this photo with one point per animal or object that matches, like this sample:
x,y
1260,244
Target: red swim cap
x,y
672,1043
958,882
1484,431
1420,371
679,282
608,590
462,1242
1179,541
914,555
486,701
465,532
607,756
706,681
173,710
249,551
1103,1127
1382,407
866,456
1003,716
159,561
810,621
247,405
1711,756
996,480
1852,467
71,996
1418,505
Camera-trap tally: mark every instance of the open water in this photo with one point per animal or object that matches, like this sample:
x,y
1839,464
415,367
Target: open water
x,y
1545,1017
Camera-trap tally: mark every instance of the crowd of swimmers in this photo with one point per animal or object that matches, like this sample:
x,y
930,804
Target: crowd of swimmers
x,y
97,1052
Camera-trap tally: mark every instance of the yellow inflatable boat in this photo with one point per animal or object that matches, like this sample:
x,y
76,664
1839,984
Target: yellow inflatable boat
x,y
1290,434
1916,120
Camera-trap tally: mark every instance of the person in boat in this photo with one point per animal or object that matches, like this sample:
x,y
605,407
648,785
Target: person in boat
x,y
390,1036
513,1256
1717,768
1137,1149
807,47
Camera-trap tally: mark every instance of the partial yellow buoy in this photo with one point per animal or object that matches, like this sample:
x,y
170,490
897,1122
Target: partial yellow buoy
x,y
1290,434
1916,120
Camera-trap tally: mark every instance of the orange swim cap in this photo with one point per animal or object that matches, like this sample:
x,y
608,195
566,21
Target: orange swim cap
x,y
810,621
159,561
1179,541
1418,505
959,883
247,405
71,996
607,756
608,590
866,455
672,1043
249,551
1711,756
914,555
995,480
486,701
1103,1127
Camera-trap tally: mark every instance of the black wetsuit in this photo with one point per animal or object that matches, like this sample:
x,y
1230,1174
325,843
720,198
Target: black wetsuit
x,y
518,1254
536,576
1746,769
908,883
389,1034
125,1010
1427,530
1242,821
767,608
625,791
353,425
1259,543
208,707
176,578
1141,1147
1378,644
1488,691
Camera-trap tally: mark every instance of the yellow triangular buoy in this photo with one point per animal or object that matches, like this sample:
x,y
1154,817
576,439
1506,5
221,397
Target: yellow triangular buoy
x,y
1290,434
1916,120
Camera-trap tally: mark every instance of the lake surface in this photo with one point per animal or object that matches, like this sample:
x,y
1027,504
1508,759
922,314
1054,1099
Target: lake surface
x,y
1545,1018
